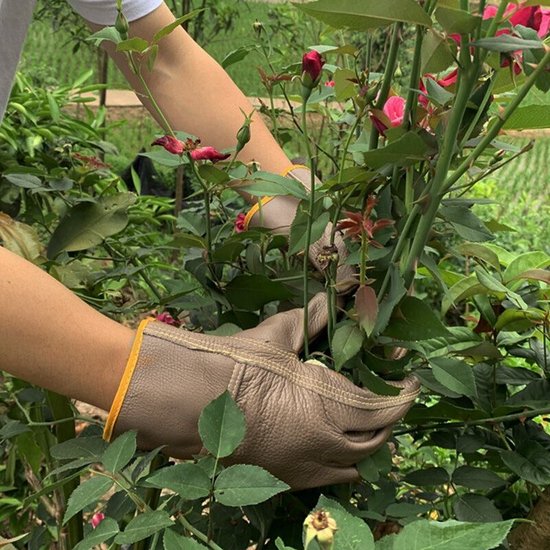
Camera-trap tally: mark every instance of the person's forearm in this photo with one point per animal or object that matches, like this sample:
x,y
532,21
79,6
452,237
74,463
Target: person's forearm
x,y
51,338
196,95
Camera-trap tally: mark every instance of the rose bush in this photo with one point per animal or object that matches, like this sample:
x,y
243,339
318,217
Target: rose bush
x,y
434,296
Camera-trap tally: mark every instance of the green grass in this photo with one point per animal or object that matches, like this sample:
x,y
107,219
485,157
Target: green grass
x,y
520,192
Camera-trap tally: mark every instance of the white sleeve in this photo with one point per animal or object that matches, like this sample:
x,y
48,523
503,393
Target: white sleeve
x,y
103,12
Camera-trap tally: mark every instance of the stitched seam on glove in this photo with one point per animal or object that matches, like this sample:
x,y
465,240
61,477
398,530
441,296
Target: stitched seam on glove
x,y
195,341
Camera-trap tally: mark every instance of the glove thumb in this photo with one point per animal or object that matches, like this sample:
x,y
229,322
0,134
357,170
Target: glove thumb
x,y
287,329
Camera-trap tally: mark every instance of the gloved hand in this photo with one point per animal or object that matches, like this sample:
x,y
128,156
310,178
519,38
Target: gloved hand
x,y
305,424
277,214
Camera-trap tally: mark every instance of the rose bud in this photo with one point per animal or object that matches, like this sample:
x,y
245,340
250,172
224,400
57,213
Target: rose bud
x,y
312,65
166,318
208,153
394,109
97,518
239,223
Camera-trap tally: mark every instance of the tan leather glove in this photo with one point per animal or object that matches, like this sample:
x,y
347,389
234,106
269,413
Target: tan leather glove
x,y
277,214
305,423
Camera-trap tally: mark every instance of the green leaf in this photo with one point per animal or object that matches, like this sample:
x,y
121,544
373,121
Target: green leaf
x,y
535,275
379,463
164,158
531,463
507,43
523,262
134,44
463,289
107,33
271,185
27,181
298,229
531,117
120,452
87,224
476,508
448,535
188,480
173,541
406,509
80,447
436,55
456,21
454,374
466,223
427,477
13,428
353,533
244,485
476,478
235,56
374,383
366,305
481,252
143,526
346,343
415,320
222,426
437,93
87,493
364,15
408,149
252,292
106,530
212,174
175,24
390,300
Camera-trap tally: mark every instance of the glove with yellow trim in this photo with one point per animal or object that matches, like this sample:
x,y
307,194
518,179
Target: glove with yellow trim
x,y
305,424
277,214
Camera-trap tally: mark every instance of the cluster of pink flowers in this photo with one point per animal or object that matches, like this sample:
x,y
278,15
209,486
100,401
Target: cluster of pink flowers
x,y
533,17
177,147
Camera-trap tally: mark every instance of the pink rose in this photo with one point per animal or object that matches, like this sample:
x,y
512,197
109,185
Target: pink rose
x,y
208,153
240,226
394,109
330,83
97,518
541,21
171,144
449,79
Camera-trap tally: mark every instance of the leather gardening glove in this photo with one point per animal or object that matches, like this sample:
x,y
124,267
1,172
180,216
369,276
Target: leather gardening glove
x,y
277,214
305,423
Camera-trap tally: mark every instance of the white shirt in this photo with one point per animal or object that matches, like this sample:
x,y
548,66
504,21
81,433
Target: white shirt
x,y
15,17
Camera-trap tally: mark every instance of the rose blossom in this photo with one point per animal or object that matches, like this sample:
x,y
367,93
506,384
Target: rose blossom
x,y
394,109
171,144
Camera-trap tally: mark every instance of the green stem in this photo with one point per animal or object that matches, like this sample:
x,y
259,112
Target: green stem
x,y
479,113
479,421
199,534
498,125
387,80
311,205
61,408
363,265
442,167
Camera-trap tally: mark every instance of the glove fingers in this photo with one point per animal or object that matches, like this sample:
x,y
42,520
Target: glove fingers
x,y
287,328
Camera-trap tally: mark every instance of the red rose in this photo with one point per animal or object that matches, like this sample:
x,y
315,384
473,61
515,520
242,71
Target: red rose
x,y
97,519
208,153
171,144
167,319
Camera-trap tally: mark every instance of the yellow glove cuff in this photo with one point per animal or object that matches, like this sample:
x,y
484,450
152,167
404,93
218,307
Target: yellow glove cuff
x,y
264,200
120,395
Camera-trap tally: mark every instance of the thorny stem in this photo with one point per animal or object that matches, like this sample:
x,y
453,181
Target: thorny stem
x,y
199,534
506,418
410,106
308,228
